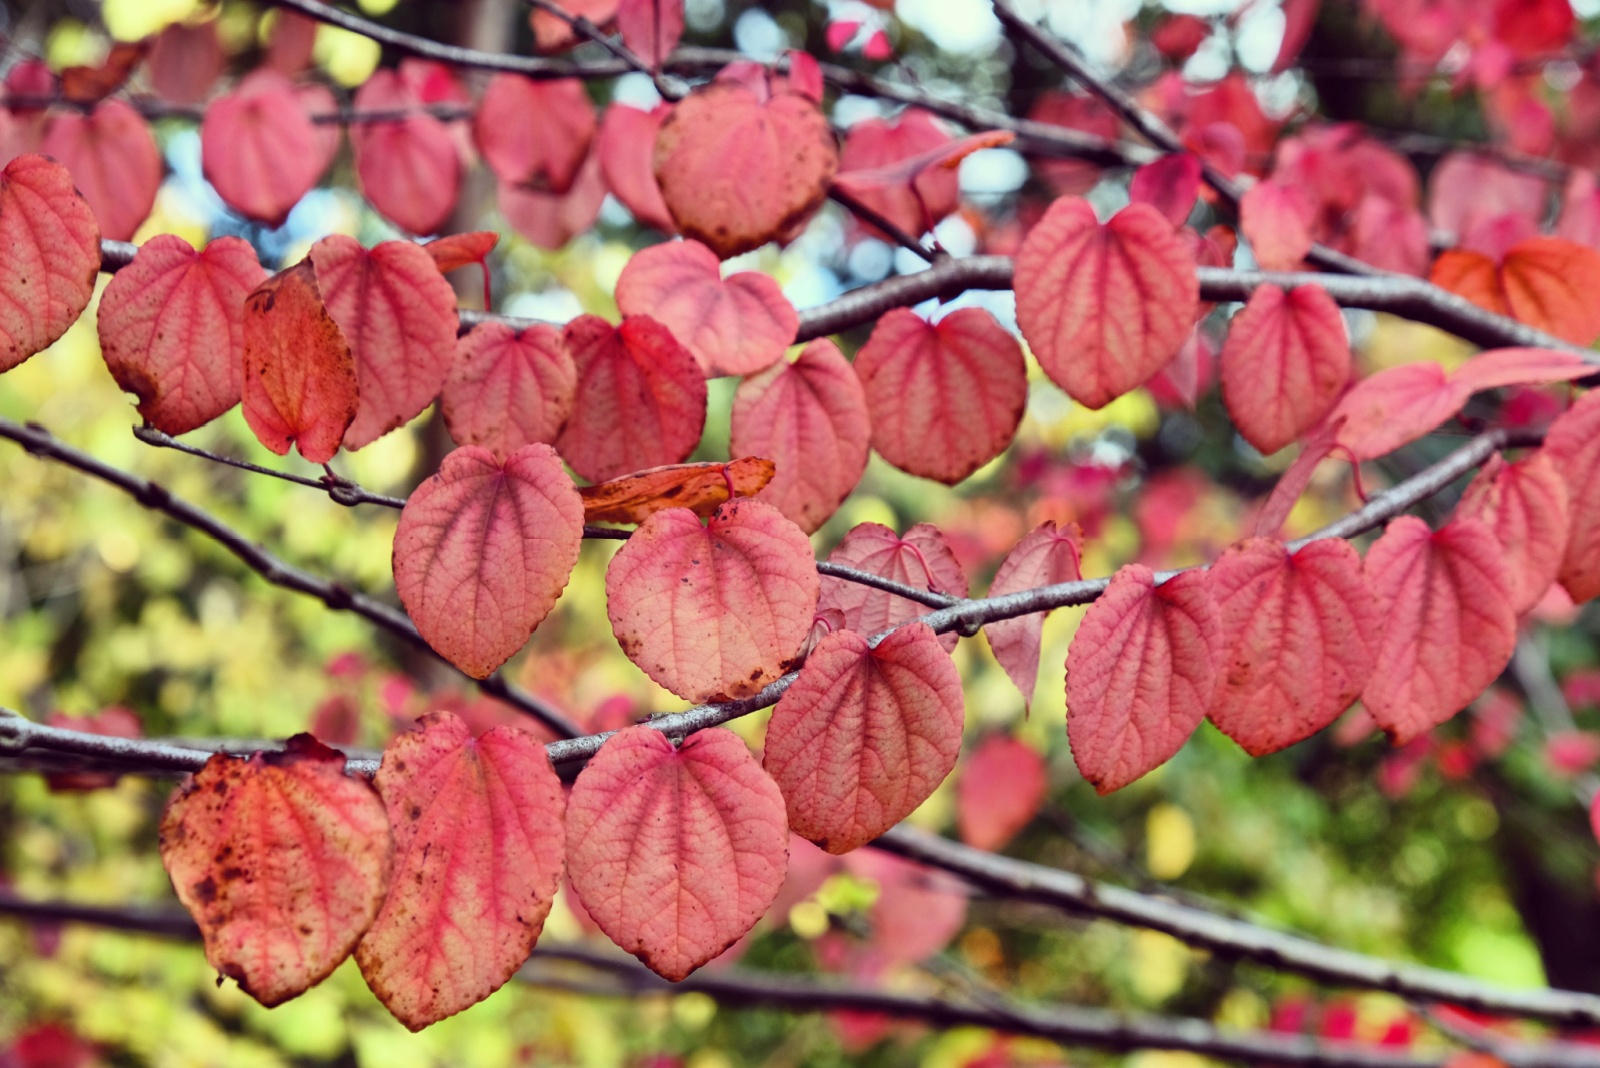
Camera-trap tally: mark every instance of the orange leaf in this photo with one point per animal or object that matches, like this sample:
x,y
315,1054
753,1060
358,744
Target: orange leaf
x,y
1104,307
258,148
922,559
1140,674
810,416
409,169
113,158
737,171
641,399
713,612
172,328
399,315
1472,275
1526,505
697,487
479,847
626,152
49,256
1299,634
675,852
282,859
299,377
1048,555
1448,627
483,550
734,326
865,735
535,133
886,165
460,250
945,399
651,28
1546,282
509,388
1573,444
1284,364
1001,788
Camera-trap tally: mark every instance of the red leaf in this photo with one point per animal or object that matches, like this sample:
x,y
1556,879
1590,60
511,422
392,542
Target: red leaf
x,y
626,149
399,315
1280,502
1526,505
550,220
479,848
1048,555
1179,36
1276,220
1549,283
509,388
1448,628
1001,788
1170,185
641,398
553,33
675,852
172,328
810,417
698,487
734,326
454,251
49,256
410,168
1573,445
651,28
1141,672
912,200
1299,635
535,133
1284,364
299,376
1299,18
1104,307
944,399
113,722
185,62
865,735
737,171
257,148
713,612
922,559
282,859
113,159
1466,189
483,550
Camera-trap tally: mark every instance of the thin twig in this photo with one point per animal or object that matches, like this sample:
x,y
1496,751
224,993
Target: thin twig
x,y
669,88
867,213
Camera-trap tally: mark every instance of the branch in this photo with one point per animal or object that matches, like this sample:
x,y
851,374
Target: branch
x,y
38,441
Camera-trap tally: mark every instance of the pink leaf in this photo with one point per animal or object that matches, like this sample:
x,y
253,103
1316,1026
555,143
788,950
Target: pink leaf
x,y
713,612
651,28
914,201
626,149
113,159
1170,185
1048,555
865,735
1573,444
410,168
1104,307
1526,505
1284,364
257,147
1299,19
945,399
1001,788
478,855
185,62
535,133
641,399
734,326
809,417
509,388
1276,220
1140,674
550,220
454,251
172,328
675,852
49,256
922,559
918,910
1293,482
483,550
1448,628
1299,635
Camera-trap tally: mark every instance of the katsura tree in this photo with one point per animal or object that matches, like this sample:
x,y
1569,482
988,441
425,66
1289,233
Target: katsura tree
x,y
1261,340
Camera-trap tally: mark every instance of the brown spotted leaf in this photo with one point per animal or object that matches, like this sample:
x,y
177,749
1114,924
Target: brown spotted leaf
x,y
697,487
49,256
508,388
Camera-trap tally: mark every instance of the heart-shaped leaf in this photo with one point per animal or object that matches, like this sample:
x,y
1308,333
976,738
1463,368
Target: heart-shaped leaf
x,y
550,220
258,147
49,256
1285,362
509,388
409,168
922,559
1527,506
1276,218
113,159
1573,444
1048,555
535,133
626,151
185,62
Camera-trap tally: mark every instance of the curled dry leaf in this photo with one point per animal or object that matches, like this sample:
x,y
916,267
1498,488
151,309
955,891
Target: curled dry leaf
x,y
1140,674
258,148
508,388
172,328
479,849
409,168
810,416
282,859
675,852
1000,789
1527,507
713,612
698,487
1104,307
944,398
1299,636
737,171
1573,444
641,399
1048,555
1447,625
483,550
460,250
399,315
922,559
1285,362
865,734
734,326
535,133
49,256
550,220
299,376
1546,282
626,151
113,159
